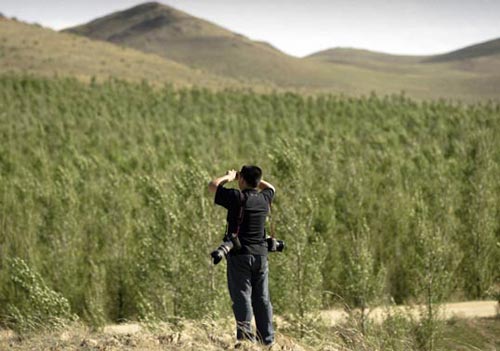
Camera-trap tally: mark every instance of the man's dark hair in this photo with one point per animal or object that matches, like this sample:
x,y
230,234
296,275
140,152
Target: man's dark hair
x,y
252,175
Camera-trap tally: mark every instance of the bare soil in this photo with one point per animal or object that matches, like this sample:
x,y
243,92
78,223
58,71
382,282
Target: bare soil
x,y
203,335
468,309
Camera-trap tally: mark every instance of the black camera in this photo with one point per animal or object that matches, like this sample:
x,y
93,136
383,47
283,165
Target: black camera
x,y
221,252
230,241
275,245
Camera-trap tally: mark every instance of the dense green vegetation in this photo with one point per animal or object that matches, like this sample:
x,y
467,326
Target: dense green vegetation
x,y
104,208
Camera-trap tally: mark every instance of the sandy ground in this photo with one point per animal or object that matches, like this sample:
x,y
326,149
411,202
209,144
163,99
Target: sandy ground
x,y
469,309
129,328
199,336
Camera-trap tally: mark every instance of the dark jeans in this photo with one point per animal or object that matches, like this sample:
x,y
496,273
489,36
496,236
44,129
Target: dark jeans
x,y
247,278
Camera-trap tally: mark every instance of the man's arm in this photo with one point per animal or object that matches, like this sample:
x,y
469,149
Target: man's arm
x,y
266,185
228,177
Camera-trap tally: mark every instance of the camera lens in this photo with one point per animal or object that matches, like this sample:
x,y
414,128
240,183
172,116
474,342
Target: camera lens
x,y
217,256
280,246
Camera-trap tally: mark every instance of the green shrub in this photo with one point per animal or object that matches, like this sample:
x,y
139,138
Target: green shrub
x,y
37,306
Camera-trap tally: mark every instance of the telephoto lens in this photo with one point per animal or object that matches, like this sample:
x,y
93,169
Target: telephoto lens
x,y
221,252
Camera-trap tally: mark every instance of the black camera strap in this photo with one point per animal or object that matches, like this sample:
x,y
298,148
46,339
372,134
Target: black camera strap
x,y
243,201
271,222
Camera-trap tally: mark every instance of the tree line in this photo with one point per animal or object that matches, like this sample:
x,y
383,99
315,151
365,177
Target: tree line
x,y
104,212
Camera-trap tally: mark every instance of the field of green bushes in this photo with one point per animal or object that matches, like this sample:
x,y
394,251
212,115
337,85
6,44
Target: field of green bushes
x,y
105,216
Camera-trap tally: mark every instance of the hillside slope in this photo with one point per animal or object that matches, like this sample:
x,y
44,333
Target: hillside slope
x,y
208,55
159,29
350,55
485,49
482,58
32,49
470,73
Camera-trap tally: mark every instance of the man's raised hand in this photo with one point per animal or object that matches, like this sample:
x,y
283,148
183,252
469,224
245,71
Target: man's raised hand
x,y
231,175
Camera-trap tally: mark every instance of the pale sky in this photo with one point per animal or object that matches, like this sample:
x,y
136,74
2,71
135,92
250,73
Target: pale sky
x,y
299,28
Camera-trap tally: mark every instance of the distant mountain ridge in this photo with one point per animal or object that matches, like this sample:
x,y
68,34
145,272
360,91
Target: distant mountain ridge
x,y
339,54
170,45
346,55
29,48
122,26
156,28
147,17
167,32
487,48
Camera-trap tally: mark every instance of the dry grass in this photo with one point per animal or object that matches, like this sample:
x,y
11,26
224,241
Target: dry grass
x,y
203,54
458,334
471,334
32,49
186,335
159,29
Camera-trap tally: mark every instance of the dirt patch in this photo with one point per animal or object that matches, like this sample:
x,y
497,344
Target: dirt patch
x,y
469,309
206,336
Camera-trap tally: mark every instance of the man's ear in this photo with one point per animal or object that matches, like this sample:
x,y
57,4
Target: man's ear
x,y
243,183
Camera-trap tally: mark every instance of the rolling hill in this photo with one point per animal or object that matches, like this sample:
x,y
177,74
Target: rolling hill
x,y
161,44
32,49
489,48
156,28
351,55
464,73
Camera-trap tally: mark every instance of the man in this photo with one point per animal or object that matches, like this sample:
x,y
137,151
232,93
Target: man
x,y
247,268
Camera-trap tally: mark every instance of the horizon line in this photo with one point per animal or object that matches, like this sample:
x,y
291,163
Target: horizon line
x,y
66,25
